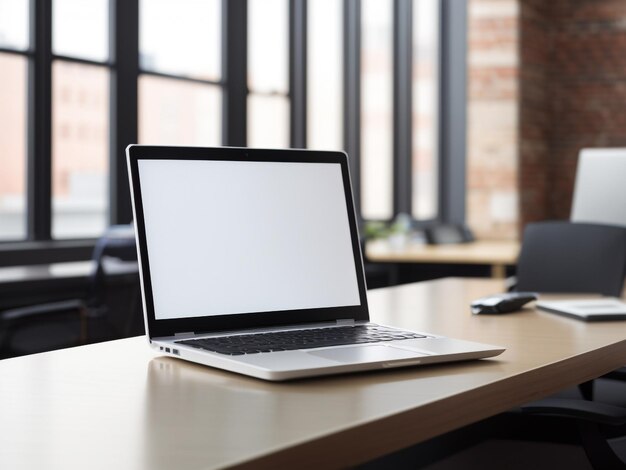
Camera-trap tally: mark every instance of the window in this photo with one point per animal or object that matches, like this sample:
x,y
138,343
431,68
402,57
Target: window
x,y
373,77
80,118
81,29
180,87
398,108
80,149
181,37
426,96
175,112
14,24
325,75
13,147
268,73
70,78
377,109
14,32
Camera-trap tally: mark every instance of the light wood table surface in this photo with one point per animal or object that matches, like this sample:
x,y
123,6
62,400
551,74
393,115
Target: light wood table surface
x,y
117,405
497,254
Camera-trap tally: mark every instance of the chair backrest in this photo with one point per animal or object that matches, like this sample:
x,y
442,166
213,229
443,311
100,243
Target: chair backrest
x,y
69,322
572,257
118,242
123,317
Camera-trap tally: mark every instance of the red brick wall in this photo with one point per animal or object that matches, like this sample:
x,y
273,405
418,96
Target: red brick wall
x,y
574,61
534,110
492,134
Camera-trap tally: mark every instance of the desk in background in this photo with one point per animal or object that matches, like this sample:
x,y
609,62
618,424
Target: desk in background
x,y
73,271
30,284
497,254
46,282
117,405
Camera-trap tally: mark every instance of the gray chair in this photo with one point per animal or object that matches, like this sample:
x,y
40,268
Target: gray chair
x,y
572,258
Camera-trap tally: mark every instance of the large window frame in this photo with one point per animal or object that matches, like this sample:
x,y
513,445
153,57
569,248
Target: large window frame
x,y
39,247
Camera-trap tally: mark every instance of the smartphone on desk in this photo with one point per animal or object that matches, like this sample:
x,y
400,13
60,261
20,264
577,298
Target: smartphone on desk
x,y
502,303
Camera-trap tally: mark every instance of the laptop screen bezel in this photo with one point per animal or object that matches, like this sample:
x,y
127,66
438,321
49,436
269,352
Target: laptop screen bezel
x,y
213,323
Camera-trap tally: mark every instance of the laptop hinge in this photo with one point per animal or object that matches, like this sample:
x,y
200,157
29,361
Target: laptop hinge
x,y
186,334
345,322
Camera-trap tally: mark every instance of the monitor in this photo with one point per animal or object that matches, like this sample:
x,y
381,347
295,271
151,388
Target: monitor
x,y
600,190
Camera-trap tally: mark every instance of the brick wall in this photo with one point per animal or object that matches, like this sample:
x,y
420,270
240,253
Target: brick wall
x,y
588,87
567,91
535,110
492,207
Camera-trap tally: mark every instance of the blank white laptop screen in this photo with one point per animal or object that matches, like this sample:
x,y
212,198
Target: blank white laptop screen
x,y
228,237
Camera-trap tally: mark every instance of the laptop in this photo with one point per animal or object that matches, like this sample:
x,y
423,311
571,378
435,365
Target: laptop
x,y
250,262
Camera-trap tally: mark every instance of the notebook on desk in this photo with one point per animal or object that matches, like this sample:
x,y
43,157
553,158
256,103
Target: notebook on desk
x,y
250,262
602,309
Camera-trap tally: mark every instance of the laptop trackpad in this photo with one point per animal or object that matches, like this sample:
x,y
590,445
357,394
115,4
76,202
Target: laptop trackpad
x,y
366,353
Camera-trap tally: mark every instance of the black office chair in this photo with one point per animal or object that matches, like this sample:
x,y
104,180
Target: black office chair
x,y
564,257
601,427
567,257
72,322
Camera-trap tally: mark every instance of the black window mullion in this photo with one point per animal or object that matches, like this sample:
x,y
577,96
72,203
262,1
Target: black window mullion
x,y
452,105
402,105
39,176
298,71
124,51
234,71
352,94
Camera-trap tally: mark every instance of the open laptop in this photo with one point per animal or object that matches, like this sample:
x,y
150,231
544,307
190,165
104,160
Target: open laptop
x,y
250,261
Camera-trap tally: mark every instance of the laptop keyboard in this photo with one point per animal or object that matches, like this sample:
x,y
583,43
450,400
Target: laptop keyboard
x,y
299,339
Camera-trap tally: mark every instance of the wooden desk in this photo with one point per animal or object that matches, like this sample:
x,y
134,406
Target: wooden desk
x,y
116,405
498,254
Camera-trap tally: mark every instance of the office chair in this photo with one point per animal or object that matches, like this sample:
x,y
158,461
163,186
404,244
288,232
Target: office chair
x,y
601,427
566,257
73,322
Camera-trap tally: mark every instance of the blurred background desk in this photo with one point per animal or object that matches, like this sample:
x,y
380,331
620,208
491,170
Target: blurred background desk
x,y
495,254
28,284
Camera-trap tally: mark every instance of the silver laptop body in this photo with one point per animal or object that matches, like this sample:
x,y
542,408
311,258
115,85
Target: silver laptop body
x,y
235,244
